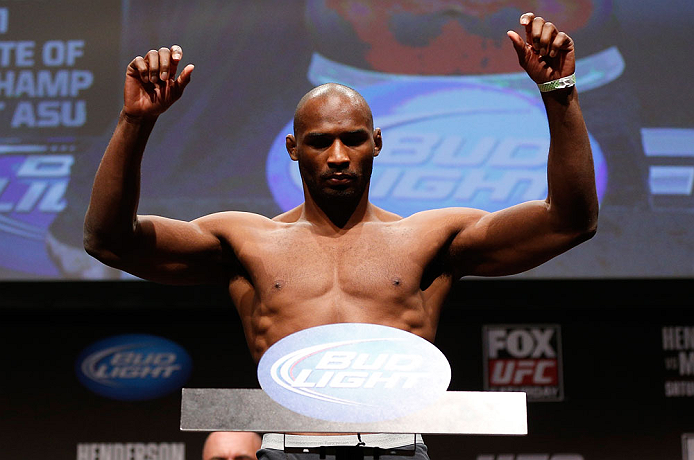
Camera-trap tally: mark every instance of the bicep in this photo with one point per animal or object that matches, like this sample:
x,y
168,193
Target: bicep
x,y
510,241
173,252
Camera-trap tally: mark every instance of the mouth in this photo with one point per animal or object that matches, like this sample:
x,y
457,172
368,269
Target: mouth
x,y
338,179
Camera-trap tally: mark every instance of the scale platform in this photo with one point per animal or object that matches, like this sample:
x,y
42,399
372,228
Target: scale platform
x,y
456,412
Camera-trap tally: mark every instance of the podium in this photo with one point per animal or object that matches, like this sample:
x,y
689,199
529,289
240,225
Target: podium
x,y
354,378
456,412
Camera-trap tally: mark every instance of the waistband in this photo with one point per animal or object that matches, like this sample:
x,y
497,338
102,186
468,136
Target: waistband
x,y
279,441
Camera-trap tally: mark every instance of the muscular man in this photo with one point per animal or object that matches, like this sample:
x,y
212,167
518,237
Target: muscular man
x,y
337,257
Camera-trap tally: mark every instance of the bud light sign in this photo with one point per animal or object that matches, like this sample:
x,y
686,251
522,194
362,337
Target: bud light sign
x,y
354,372
133,367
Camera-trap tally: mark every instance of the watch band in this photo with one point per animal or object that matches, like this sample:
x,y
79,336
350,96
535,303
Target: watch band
x,y
559,83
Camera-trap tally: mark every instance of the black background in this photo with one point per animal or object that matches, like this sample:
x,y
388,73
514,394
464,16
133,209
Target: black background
x,y
612,359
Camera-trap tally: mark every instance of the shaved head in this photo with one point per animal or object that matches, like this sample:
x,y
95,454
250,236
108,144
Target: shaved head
x,y
326,92
231,445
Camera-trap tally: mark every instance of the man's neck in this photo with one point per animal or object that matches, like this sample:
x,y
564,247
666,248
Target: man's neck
x,y
337,215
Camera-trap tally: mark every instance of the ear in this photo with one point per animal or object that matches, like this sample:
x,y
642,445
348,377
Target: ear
x,y
290,142
378,141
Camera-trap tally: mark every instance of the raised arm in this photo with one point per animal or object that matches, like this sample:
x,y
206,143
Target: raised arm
x,y
523,236
151,247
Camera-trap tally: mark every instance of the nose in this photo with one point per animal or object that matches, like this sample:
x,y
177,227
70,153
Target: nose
x,y
337,156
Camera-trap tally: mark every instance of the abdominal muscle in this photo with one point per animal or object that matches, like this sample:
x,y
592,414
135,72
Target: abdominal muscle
x,y
265,324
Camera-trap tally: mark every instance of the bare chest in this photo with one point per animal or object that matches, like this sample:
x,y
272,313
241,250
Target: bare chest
x,y
372,262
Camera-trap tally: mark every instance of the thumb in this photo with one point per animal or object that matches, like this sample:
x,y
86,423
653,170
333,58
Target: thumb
x,y
518,43
184,78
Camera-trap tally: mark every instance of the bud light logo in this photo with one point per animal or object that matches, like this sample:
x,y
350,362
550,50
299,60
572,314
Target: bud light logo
x,y
133,367
354,372
446,144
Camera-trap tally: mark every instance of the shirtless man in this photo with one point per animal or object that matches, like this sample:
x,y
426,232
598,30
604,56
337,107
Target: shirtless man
x,y
337,257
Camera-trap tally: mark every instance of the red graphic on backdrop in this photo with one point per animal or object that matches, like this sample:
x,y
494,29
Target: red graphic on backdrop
x,y
446,37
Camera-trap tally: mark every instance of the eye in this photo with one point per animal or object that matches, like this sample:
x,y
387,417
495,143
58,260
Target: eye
x,y
318,141
355,138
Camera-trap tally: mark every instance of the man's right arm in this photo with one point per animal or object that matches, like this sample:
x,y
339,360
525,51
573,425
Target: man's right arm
x,y
151,247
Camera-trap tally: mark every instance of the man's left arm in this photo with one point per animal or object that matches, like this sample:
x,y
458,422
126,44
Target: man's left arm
x,y
523,236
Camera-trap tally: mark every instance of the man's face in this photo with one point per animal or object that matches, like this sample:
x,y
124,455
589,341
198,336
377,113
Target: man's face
x,y
335,145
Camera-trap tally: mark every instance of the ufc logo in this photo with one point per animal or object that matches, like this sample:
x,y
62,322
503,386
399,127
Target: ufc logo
x,y
523,372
